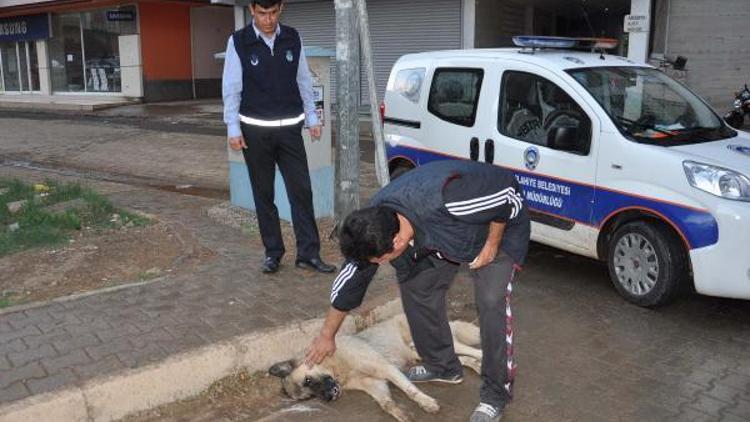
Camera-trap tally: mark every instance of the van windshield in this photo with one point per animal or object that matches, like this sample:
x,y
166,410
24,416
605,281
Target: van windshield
x,y
650,107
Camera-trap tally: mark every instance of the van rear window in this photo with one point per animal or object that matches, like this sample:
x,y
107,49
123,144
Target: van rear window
x,y
454,95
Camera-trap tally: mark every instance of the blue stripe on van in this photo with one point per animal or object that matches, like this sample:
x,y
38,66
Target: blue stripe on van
x,y
565,199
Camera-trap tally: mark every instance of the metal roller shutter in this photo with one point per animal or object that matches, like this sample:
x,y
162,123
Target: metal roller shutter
x,y
400,27
397,28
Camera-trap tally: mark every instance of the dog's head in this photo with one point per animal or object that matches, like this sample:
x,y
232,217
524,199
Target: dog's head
x,y
301,383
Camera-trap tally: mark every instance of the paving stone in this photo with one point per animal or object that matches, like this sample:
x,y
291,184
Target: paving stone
x,y
4,363
28,330
701,377
57,334
21,358
727,417
105,366
125,329
20,320
111,347
15,391
709,405
723,392
692,415
58,323
741,409
146,355
69,360
736,381
151,337
22,373
76,342
58,380
12,346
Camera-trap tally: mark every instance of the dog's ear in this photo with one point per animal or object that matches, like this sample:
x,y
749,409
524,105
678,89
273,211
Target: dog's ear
x,y
282,369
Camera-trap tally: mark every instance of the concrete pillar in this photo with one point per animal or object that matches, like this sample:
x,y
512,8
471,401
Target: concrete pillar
x,y
45,76
131,66
528,26
638,42
239,17
469,19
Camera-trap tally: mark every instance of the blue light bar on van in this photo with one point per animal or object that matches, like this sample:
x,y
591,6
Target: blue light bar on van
x,y
532,41
539,41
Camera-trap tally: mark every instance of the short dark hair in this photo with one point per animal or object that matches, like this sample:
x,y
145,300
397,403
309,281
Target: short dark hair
x,y
368,233
266,3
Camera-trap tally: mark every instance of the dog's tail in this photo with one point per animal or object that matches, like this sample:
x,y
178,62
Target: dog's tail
x,y
466,332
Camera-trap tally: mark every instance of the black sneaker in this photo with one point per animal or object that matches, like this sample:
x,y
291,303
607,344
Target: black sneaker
x,y
486,413
420,373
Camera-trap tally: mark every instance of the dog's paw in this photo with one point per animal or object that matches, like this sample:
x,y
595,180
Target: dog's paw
x,y
429,404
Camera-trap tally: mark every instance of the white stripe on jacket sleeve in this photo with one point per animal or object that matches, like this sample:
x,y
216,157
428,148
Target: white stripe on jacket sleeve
x,y
345,275
473,206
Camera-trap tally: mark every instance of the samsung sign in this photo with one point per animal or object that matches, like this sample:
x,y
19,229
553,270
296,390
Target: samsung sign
x,y
24,28
120,15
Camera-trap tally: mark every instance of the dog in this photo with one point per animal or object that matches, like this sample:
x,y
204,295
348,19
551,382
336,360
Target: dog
x,y
370,359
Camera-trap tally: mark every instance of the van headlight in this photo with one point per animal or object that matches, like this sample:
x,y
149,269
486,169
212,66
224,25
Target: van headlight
x,y
718,181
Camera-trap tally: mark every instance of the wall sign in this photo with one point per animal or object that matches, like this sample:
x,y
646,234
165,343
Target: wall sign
x,y
120,15
637,23
25,28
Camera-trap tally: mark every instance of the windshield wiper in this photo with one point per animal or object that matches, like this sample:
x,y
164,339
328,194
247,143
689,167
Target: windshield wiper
x,y
642,125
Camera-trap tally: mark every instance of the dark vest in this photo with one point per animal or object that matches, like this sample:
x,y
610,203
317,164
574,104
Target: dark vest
x,y
418,196
269,78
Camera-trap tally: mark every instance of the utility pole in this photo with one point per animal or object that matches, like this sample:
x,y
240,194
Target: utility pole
x,y
346,188
381,166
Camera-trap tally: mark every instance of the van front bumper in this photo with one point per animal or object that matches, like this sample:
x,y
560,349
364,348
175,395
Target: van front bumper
x,y
723,269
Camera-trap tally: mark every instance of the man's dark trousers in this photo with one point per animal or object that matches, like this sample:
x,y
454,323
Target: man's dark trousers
x,y
423,295
267,147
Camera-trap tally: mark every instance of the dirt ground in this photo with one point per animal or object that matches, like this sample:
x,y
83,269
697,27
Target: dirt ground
x,y
96,259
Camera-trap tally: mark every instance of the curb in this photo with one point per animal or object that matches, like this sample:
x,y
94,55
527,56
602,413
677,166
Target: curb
x,y
180,376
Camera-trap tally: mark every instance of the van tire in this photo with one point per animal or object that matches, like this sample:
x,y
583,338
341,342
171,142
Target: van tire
x,y
399,171
647,263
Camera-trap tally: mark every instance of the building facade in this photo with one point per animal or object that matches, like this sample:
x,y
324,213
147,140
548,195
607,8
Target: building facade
x,y
710,34
166,49
146,49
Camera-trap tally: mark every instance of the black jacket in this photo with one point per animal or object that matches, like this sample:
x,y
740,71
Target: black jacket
x,y
450,205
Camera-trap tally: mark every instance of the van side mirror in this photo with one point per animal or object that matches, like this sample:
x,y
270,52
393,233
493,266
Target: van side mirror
x,y
563,138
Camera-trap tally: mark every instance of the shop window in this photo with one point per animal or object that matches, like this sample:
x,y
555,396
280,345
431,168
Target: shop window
x,y
85,52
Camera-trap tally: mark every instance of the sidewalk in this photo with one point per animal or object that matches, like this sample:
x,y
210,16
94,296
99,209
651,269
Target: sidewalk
x,y
62,344
77,103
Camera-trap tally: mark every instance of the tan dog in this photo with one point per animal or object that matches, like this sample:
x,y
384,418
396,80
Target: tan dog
x,y
370,359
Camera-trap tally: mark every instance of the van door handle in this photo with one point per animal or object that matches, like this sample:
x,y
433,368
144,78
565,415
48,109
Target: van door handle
x,y
474,149
489,151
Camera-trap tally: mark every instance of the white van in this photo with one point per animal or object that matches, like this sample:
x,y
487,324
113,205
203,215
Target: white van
x,y
618,161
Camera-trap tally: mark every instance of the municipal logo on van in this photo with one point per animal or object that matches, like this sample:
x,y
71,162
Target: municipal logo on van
x,y
740,148
531,157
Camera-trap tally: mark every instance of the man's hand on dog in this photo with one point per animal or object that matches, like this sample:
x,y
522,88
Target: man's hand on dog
x,y
322,347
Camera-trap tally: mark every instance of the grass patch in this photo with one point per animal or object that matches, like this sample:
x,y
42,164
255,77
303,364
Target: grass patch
x,y
37,225
8,299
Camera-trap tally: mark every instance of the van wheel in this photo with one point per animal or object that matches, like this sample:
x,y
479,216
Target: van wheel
x,y
399,171
647,263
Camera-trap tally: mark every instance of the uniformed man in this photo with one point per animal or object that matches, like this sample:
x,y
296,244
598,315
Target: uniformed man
x,y
268,96
428,223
